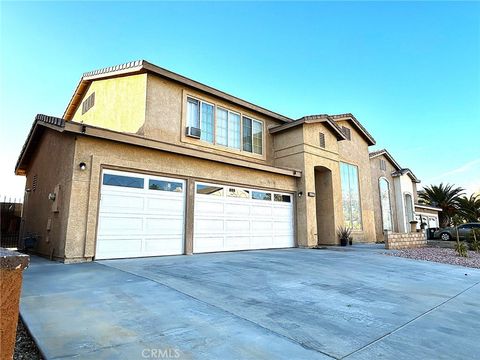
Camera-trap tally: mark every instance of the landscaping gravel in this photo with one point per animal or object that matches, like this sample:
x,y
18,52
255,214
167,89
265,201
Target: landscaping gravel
x,y
25,348
446,256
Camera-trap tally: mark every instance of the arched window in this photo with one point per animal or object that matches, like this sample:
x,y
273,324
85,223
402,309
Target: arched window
x,y
385,203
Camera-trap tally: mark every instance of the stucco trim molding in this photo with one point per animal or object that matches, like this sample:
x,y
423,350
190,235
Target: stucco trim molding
x,y
88,130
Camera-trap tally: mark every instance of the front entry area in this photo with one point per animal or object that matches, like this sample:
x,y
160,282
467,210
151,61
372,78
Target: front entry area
x,y
140,215
234,218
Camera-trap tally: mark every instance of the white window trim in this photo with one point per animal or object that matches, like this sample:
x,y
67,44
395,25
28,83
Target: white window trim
x,y
241,114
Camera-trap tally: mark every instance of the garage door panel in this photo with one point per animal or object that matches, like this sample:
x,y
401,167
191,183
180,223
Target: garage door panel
x,y
243,222
282,227
261,210
262,227
118,203
237,226
165,205
234,208
206,244
262,242
283,241
138,220
120,225
282,212
208,207
118,247
207,226
166,226
164,245
237,243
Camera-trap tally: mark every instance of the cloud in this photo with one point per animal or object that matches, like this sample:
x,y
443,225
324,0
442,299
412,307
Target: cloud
x,y
462,169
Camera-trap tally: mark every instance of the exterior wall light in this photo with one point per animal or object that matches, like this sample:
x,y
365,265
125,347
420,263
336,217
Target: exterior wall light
x,y
300,194
82,166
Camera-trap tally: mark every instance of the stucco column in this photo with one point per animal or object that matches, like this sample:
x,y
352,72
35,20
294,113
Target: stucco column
x,y
12,265
189,216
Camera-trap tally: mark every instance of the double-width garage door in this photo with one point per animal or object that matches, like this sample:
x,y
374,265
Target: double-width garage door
x,y
140,215
234,218
144,215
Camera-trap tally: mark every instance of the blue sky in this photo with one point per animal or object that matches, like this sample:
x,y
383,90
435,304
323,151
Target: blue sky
x,y
410,72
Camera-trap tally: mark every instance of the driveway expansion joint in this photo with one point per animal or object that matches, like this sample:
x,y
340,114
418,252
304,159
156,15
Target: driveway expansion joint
x,y
409,322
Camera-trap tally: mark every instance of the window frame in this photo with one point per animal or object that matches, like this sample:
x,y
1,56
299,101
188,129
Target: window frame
x,y
241,115
380,179
360,207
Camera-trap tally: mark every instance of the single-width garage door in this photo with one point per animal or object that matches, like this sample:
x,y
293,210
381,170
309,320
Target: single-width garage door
x,y
233,218
140,215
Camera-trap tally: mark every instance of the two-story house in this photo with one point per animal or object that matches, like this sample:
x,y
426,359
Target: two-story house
x,y
146,162
395,197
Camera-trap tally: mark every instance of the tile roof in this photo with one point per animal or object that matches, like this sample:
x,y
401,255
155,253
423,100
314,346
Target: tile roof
x,y
311,119
40,119
358,125
143,66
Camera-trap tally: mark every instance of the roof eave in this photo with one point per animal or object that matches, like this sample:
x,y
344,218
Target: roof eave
x,y
144,66
349,117
311,120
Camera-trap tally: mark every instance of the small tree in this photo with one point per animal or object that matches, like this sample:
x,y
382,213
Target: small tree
x,y
460,247
473,240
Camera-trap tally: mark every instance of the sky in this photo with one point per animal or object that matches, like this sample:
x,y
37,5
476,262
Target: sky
x,y
408,71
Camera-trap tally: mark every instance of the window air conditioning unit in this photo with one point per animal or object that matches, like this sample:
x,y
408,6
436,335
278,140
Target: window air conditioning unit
x,y
193,132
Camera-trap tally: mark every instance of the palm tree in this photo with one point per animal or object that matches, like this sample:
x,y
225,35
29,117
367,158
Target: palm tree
x,y
445,197
469,208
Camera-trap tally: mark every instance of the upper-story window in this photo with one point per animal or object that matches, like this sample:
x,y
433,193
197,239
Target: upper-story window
x,y
193,113
227,131
223,127
206,122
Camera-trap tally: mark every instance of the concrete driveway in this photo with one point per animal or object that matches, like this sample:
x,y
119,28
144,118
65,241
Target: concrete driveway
x,y
274,304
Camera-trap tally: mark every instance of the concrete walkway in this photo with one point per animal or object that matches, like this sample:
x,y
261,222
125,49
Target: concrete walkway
x,y
274,304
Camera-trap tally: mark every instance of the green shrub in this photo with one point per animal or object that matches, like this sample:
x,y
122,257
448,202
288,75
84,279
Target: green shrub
x,y
461,249
473,240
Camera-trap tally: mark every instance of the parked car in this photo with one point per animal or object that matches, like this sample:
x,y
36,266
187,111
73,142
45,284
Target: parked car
x,y
450,233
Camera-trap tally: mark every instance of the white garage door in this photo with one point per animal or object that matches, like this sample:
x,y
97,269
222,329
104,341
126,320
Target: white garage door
x,y
140,215
232,218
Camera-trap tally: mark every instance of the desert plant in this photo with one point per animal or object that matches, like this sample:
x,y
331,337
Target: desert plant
x,y
344,234
474,240
445,197
460,247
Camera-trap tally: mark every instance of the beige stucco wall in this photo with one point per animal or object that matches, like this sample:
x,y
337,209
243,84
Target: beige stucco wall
x,y
119,104
300,148
166,119
355,152
378,173
52,164
98,154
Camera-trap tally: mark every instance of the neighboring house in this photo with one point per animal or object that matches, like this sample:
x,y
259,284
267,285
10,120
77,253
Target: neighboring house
x,y
396,199
146,162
